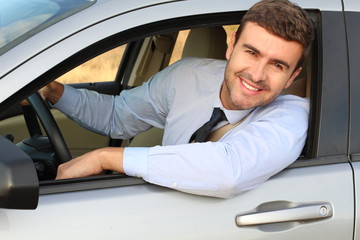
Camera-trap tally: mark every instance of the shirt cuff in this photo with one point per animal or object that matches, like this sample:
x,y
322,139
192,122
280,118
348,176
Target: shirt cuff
x,y
135,161
68,100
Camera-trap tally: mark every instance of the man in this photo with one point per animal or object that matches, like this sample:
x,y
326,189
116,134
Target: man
x,y
267,131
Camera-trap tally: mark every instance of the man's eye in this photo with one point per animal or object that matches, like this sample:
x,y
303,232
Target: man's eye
x,y
251,52
278,66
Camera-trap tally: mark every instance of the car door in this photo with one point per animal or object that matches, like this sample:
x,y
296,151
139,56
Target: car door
x,y
312,199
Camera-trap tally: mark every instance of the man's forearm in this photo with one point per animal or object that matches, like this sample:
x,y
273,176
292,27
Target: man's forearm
x,y
93,163
112,159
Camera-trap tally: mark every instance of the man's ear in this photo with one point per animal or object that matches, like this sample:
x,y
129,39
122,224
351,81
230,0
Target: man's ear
x,y
231,46
293,76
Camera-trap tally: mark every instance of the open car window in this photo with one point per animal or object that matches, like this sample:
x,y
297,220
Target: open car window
x,y
128,64
102,68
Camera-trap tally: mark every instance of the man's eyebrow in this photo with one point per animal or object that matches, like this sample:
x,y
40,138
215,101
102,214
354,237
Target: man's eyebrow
x,y
281,62
257,51
246,45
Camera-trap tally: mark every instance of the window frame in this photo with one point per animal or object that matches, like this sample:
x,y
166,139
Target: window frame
x,y
134,37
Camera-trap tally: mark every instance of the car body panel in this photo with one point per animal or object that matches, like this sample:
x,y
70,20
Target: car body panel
x,y
351,5
151,212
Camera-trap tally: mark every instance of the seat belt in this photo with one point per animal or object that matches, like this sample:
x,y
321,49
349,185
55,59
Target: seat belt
x,y
220,132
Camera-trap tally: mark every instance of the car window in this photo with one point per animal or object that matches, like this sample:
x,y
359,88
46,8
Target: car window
x,y
102,68
21,19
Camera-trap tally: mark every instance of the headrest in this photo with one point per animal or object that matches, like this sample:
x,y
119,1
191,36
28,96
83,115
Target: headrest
x,y
206,43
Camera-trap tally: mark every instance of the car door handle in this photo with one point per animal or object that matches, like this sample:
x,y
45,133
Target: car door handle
x,y
283,211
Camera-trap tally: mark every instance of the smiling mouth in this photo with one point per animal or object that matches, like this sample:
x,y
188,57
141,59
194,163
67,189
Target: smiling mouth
x,y
250,87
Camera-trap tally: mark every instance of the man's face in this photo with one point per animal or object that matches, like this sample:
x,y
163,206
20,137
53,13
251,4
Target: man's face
x,y
260,66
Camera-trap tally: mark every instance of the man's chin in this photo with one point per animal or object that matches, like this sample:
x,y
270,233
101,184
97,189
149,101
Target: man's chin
x,y
244,103
242,106
248,104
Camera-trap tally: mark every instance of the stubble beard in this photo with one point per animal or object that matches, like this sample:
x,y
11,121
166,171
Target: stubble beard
x,y
241,101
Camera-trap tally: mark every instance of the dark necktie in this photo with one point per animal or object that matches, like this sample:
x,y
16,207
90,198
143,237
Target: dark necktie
x,y
203,133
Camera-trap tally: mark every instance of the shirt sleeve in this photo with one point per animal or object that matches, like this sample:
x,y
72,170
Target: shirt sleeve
x,y
123,116
243,159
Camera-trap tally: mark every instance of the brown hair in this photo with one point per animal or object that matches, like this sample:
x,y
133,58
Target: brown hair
x,y
284,19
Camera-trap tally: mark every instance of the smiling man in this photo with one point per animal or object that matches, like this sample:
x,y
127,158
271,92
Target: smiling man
x,y
265,132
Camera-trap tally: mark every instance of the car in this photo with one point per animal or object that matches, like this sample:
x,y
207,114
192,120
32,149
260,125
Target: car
x,y
111,45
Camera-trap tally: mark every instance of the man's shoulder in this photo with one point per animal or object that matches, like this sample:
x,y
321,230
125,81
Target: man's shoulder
x,y
290,99
287,105
201,64
195,71
292,102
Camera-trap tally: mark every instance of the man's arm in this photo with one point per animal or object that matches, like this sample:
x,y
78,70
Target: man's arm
x,y
240,161
93,163
120,117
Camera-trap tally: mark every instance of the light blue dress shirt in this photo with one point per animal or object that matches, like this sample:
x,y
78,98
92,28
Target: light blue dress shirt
x,y
180,99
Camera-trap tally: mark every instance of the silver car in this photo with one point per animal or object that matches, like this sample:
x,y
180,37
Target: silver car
x,y
111,45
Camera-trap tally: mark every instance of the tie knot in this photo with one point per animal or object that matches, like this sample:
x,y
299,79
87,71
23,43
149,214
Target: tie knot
x,y
218,115
202,134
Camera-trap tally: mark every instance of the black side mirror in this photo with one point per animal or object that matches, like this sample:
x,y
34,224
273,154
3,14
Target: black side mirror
x,y
19,184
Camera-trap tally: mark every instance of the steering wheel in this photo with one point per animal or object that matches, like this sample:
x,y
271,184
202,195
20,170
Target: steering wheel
x,y
51,128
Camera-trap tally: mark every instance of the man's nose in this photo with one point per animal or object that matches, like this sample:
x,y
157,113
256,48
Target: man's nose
x,y
258,71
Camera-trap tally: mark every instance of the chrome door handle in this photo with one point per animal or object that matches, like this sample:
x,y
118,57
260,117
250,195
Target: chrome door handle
x,y
282,211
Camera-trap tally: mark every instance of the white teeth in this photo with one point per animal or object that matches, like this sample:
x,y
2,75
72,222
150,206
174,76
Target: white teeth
x,y
250,87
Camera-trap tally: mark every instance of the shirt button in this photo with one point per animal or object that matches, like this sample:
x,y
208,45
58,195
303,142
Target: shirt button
x,y
137,175
175,185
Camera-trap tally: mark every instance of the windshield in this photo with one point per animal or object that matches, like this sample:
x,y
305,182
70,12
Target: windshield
x,y
21,19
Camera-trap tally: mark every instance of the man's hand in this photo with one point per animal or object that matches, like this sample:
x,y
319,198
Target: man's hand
x,y
52,92
92,163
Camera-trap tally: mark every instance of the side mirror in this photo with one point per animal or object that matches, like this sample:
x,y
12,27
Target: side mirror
x,y
19,184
